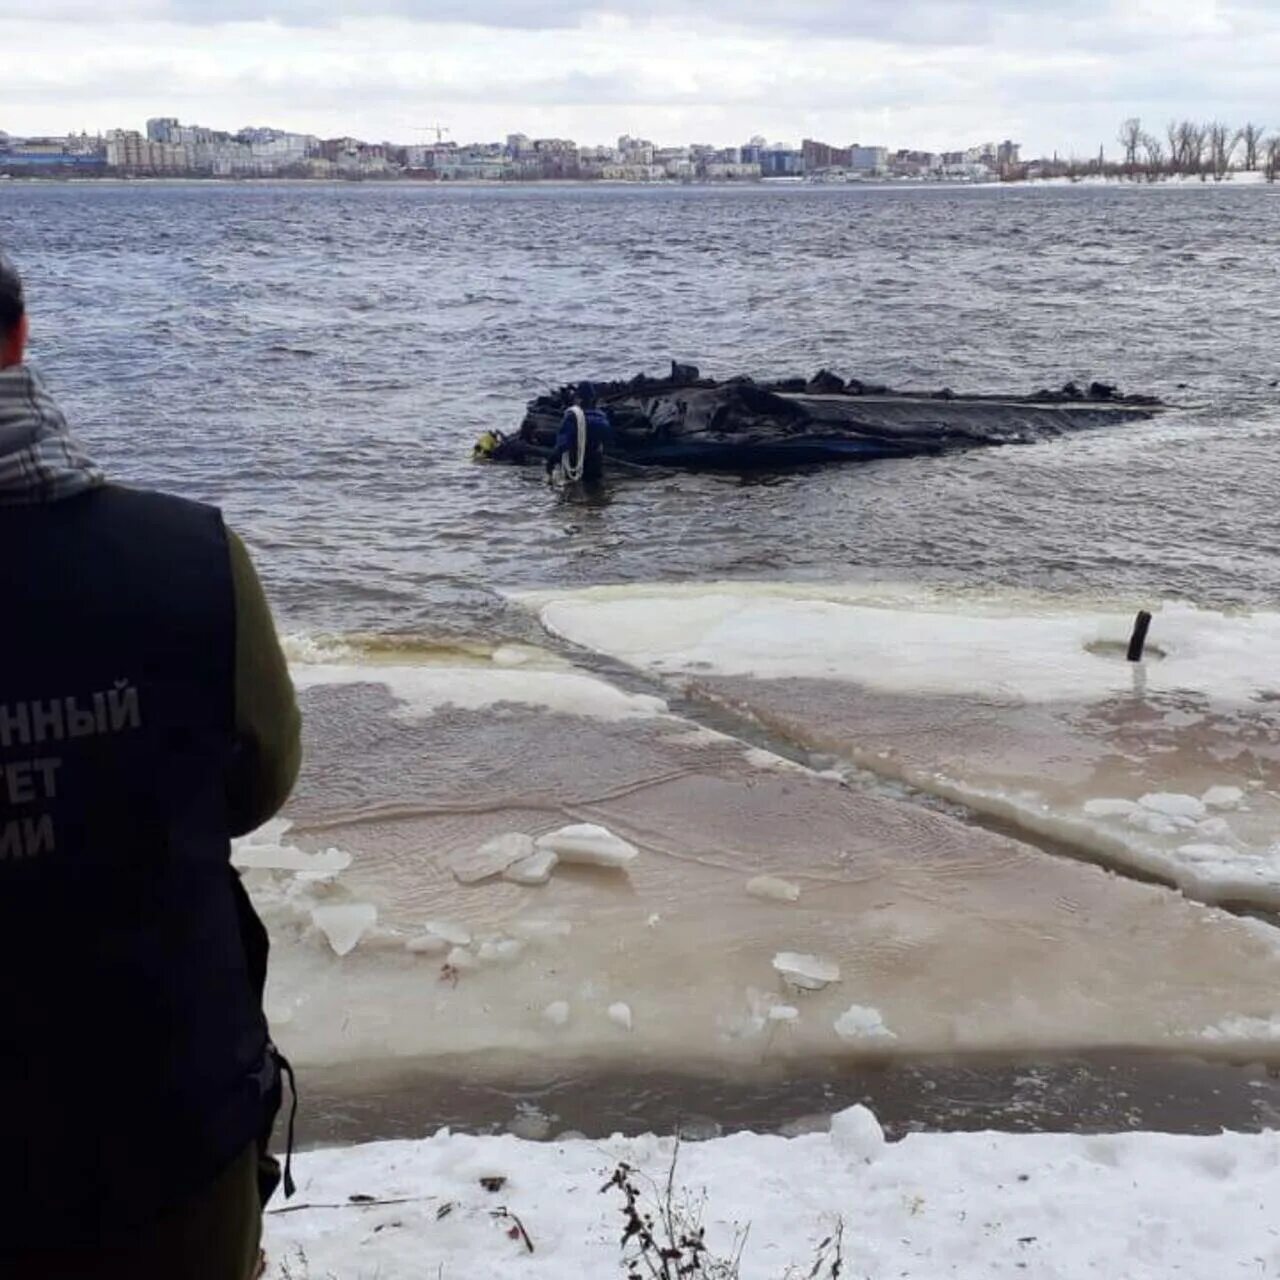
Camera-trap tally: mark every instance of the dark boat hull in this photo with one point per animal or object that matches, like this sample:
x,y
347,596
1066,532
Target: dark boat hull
x,y
697,424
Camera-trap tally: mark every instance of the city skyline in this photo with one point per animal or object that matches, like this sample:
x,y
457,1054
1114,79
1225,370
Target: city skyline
x,y
440,134
918,73
171,147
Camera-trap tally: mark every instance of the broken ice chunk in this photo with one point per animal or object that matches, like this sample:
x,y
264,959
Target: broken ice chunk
x,y
1107,808
1222,797
861,1022
287,857
585,842
1158,824
535,869
450,931
808,973
500,949
427,944
1215,828
784,1013
460,958
557,1013
621,1014
530,1124
772,889
492,858
344,924
856,1134
1173,805
511,655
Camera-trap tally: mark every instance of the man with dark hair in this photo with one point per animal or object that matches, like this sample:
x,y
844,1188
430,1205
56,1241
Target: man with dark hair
x,y
13,315
146,716
584,431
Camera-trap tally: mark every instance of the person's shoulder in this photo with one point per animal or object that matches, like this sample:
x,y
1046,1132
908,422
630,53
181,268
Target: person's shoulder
x,y
153,509
126,497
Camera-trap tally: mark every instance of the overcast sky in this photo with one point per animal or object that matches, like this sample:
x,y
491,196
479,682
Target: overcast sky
x,y
938,74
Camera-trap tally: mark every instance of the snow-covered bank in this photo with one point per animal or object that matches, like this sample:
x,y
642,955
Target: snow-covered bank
x,y
1021,707
1136,1206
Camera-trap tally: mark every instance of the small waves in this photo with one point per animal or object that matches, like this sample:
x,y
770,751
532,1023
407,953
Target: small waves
x,y
320,360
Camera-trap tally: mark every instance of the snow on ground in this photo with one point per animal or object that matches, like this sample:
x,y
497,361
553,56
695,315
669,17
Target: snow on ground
x,y
1140,1206
1017,706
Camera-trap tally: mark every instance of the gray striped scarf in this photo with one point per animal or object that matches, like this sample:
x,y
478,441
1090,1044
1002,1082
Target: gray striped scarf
x,y
40,460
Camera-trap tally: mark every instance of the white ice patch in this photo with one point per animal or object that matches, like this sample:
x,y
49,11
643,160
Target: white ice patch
x,y
1243,1030
805,972
533,870
557,1013
620,1014
773,889
450,930
861,1022
424,690
515,655
758,758
535,930
784,1013
500,950
492,858
345,923
265,850
906,640
427,944
1107,808
1222,798
1174,806
856,1134
589,844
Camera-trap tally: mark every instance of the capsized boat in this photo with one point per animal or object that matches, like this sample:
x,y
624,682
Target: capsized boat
x,y
687,421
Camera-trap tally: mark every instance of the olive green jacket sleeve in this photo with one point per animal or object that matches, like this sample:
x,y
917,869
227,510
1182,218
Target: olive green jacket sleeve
x,y
268,727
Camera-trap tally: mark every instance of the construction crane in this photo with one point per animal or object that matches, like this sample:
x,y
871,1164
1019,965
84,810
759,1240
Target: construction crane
x,y
438,129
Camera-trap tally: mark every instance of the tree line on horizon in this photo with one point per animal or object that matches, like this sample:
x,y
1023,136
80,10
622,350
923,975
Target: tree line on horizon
x,y
1198,149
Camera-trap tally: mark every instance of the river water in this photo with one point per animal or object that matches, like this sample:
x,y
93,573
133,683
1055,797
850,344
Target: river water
x,y
935,639
320,360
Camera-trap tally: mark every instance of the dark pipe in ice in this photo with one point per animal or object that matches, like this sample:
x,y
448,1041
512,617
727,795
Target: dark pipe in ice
x,y
1138,640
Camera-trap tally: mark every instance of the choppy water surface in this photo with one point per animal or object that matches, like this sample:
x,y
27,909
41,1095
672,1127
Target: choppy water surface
x,y
319,360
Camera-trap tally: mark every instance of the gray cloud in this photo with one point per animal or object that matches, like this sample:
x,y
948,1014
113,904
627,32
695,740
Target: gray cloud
x,y
1057,73
963,22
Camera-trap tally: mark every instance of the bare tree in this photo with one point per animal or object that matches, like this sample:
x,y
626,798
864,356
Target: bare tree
x,y
1130,138
1191,144
1154,150
1222,146
1173,132
1273,158
1251,136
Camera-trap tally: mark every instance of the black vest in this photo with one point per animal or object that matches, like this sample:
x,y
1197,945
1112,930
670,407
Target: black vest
x,y
132,1040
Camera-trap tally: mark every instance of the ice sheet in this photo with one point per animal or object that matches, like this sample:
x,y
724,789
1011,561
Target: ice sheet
x,y
962,940
425,690
915,642
1021,708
